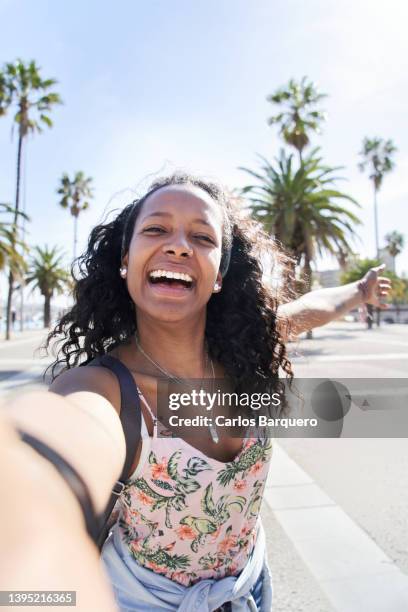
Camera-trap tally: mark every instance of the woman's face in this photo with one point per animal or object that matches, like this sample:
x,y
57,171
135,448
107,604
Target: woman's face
x,y
178,232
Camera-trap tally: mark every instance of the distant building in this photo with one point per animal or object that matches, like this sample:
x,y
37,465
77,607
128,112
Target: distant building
x,y
328,278
388,259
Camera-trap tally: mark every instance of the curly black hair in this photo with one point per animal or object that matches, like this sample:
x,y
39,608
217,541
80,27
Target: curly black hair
x,y
241,324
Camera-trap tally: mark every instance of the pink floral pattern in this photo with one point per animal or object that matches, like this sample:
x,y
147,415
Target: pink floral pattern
x,y
189,517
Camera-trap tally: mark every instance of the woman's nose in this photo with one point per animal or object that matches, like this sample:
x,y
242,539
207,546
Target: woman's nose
x,y
178,247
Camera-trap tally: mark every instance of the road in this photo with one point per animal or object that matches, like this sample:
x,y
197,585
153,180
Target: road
x,y
367,478
348,350
22,363
361,482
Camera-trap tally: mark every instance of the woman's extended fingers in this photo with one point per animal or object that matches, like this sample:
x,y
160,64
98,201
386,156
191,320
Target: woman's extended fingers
x,y
379,268
382,280
384,285
379,287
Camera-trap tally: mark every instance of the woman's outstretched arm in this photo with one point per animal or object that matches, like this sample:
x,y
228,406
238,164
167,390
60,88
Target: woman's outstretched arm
x,y
319,307
45,545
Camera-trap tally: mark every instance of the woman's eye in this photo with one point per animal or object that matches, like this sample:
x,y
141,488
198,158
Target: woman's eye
x,y
154,229
204,237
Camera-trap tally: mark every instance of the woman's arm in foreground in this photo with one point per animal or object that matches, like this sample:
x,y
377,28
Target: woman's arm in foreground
x,y
319,307
44,542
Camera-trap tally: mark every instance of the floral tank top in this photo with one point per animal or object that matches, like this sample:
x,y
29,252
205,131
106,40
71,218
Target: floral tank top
x,y
190,517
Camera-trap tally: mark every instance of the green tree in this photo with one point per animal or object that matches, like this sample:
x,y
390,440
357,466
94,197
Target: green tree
x,y
377,158
360,269
300,115
48,274
301,208
394,243
75,194
22,88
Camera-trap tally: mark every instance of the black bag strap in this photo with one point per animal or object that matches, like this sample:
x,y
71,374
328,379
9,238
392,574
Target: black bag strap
x,y
130,416
93,522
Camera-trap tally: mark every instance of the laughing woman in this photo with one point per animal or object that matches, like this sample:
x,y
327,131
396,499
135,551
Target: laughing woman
x,y
173,288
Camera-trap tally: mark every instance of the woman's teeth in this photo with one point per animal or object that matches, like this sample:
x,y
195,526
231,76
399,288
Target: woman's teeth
x,y
157,275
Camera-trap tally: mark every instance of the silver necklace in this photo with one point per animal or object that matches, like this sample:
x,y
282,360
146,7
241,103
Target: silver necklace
x,y
212,428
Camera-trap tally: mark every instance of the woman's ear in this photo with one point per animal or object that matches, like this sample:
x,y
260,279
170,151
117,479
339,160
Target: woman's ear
x,y
218,283
124,267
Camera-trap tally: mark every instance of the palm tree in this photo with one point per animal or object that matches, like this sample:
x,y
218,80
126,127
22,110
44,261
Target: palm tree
x,y
9,255
395,243
343,258
377,158
299,116
301,208
47,273
74,196
21,86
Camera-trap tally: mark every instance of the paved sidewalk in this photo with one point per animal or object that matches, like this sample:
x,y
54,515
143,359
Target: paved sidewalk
x,y
352,571
17,337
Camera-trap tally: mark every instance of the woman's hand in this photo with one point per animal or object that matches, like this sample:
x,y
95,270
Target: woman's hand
x,y
375,288
319,307
44,545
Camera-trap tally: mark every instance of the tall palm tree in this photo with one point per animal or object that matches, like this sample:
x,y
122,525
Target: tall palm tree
x,y
300,115
377,158
9,255
10,246
394,243
301,208
343,258
22,87
47,273
74,196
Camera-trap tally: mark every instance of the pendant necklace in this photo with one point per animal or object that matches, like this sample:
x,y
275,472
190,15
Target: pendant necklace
x,y
212,428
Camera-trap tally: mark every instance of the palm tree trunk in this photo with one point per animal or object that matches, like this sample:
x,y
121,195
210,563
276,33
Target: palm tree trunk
x,y
308,280
377,244
370,316
75,235
377,247
47,311
17,208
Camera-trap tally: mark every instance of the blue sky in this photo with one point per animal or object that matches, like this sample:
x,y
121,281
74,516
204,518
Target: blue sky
x,y
150,86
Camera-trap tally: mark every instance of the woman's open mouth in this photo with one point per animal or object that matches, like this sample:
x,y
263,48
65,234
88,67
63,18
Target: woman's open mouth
x,y
169,283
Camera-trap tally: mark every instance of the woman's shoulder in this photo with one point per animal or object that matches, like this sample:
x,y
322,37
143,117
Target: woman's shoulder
x,y
89,378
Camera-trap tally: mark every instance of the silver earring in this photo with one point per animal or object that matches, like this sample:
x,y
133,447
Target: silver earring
x,y
217,288
123,272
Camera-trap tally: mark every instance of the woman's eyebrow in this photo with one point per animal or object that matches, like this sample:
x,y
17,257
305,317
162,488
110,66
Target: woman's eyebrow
x,y
158,214
166,214
202,221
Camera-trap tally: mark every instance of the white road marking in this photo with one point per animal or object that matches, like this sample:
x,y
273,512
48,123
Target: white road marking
x,y
352,357
351,569
12,383
387,341
25,361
